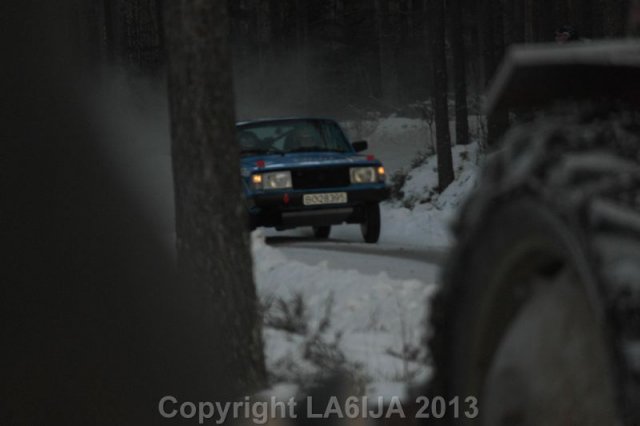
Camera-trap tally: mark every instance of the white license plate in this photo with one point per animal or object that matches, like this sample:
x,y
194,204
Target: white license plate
x,y
328,198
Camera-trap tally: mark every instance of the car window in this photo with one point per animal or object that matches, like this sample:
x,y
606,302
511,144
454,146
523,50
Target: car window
x,y
292,136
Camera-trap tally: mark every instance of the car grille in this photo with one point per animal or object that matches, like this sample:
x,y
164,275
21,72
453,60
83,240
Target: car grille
x,y
313,178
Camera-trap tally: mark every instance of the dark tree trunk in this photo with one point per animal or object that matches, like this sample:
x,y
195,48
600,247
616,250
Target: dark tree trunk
x,y
529,27
588,12
633,19
615,17
491,29
545,20
419,85
361,37
459,71
133,34
518,23
212,243
387,49
302,47
439,93
96,325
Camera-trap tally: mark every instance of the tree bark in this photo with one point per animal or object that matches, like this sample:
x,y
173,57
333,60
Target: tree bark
x,y
633,20
212,244
459,71
439,93
96,325
518,24
387,48
491,29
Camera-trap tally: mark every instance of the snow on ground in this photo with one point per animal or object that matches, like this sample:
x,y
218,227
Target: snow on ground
x,y
374,322
320,312
422,216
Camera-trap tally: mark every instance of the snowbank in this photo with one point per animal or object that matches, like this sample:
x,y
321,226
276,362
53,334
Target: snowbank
x,y
422,215
375,323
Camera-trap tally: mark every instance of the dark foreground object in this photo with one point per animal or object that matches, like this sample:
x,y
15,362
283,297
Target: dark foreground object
x,y
539,313
96,326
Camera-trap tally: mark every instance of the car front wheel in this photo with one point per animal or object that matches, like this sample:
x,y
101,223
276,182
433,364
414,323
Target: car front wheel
x,y
371,225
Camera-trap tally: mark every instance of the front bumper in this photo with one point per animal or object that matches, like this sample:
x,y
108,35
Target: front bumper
x,y
285,209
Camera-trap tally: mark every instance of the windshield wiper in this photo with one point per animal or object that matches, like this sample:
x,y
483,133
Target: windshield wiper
x,y
261,151
315,149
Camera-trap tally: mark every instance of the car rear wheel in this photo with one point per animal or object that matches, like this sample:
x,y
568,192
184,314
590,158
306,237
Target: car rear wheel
x,y
371,225
321,232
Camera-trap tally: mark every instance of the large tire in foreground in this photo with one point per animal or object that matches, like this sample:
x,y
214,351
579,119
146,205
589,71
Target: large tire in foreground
x,y
370,227
539,313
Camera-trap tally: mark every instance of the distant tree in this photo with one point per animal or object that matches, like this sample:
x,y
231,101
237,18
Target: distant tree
x,y
212,243
516,17
387,37
615,17
459,70
133,33
491,30
633,26
439,93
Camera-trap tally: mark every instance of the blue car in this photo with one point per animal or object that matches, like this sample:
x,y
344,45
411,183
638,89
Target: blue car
x,y
304,172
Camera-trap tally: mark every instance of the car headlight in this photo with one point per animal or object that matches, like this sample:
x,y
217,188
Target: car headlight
x,y
363,175
272,180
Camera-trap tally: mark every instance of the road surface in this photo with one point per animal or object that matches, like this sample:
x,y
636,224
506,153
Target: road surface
x,y
345,251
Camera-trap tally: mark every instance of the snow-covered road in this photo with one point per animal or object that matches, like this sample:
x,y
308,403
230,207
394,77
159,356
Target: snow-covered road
x,y
399,262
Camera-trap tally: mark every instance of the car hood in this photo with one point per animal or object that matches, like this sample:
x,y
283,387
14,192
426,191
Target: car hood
x,y
304,159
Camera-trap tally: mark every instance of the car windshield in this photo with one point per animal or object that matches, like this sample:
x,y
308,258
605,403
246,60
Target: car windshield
x,y
280,137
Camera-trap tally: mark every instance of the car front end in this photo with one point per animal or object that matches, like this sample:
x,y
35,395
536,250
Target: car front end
x,y
326,183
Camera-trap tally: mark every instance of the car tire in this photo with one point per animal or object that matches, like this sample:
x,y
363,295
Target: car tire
x,y
538,317
370,227
321,232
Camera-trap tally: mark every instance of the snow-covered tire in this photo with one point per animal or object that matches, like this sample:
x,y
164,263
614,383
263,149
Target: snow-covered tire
x,y
370,227
539,312
321,232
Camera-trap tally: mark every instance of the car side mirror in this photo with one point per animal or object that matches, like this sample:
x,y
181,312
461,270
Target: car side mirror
x,y
360,146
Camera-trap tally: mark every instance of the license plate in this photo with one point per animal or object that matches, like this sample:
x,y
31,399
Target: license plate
x,y
328,198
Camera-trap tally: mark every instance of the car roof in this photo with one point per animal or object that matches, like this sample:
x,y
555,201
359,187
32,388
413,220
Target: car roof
x,y
281,120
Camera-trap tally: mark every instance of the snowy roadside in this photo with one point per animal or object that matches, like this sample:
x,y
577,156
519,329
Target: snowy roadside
x,y
422,216
317,319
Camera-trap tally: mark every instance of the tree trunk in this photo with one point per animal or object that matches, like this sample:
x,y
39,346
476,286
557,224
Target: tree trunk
x,y
518,24
96,325
302,47
459,72
614,18
529,27
633,26
439,93
386,52
133,33
491,29
212,244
